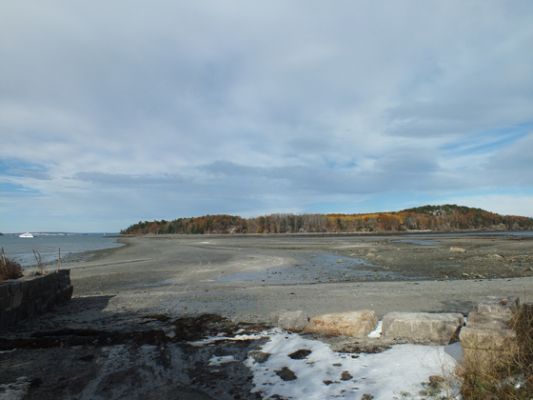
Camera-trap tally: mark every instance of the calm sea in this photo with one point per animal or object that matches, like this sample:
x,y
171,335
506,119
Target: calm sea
x,y
48,244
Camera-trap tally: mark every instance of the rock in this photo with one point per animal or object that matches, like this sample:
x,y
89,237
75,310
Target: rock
x,y
367,396
259,356
422,327
487,347
479,319
495,256
359,345
455,249
346,376
25,298
436,381
294,321
498,308
486,337
300,354
351,323
286,374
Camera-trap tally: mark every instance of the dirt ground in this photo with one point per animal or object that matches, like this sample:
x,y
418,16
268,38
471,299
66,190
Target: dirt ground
x,y
125,334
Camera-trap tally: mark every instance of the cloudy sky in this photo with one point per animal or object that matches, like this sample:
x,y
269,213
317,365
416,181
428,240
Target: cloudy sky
x,y
116,111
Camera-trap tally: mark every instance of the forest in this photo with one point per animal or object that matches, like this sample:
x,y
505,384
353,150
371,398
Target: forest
x,y
443,218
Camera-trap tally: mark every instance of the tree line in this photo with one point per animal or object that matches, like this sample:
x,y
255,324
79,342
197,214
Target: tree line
x,y
447,217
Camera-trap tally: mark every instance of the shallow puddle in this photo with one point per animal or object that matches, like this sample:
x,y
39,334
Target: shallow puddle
x,y
418,242
314,268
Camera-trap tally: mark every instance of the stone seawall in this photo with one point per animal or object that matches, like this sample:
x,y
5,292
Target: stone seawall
x,y
24,298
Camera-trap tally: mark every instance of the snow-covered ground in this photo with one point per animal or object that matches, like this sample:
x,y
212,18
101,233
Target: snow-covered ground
x,y
397,373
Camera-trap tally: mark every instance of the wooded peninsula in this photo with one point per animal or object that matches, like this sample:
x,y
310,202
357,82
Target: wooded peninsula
x,y
442,218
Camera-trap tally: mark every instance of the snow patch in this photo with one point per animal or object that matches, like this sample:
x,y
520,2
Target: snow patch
x,y
222,338
219,360
397,373
376,333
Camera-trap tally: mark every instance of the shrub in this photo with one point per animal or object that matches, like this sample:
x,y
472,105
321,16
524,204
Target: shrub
x,y
510,376
9,269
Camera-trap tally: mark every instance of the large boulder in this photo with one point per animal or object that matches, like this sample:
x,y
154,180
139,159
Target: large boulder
x,y
351,323
294,321
488,339
422,327
486,346
489,325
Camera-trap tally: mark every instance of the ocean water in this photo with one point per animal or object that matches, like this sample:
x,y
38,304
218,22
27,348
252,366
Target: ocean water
x,y
48,245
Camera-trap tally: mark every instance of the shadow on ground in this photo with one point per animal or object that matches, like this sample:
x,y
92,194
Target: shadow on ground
x,y
83,351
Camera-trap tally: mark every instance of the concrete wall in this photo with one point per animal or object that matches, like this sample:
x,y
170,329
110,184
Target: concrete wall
x,y
27,297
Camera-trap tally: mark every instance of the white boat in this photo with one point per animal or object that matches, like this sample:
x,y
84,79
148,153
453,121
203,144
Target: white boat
x,y
26,235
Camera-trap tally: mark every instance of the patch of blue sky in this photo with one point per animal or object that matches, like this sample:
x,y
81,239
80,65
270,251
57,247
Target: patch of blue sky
x,y
489,141
336,164
8,188
19,168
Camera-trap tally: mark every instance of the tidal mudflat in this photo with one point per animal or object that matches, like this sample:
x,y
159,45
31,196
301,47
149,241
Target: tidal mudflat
x,y
248,277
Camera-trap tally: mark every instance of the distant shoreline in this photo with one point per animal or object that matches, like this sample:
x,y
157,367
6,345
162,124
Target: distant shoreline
x,y
73,248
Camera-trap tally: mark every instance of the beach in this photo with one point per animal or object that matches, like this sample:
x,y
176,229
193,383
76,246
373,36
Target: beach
x,y
226,275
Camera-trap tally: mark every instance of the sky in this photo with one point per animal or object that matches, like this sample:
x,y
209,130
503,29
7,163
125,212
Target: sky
x,y
117,111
